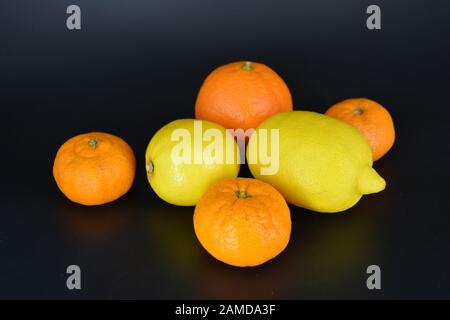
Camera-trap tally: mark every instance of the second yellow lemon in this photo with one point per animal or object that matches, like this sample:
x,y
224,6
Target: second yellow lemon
x,y
324,164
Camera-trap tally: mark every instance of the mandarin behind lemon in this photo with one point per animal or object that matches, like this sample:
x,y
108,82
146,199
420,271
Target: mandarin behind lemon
x,y
371,119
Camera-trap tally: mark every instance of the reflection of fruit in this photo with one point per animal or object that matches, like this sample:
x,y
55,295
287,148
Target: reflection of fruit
x,y
98,222
324,164
371,119
180,182
94,168
242,95
268,281
177,249
242,222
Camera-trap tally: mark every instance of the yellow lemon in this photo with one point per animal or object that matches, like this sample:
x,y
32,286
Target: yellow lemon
x,y
323,165
185,157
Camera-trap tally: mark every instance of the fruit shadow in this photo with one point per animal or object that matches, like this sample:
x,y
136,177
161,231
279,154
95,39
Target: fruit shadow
x,y
324,249
327,256
332,250
172,231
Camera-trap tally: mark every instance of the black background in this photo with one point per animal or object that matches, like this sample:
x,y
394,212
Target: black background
x,y
137,65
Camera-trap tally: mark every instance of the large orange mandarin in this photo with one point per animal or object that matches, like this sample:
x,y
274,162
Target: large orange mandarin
x,y
242,222
242,95
94,168
371,119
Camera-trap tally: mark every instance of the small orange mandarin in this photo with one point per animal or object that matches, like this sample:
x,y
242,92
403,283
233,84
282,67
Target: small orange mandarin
x,y
241,95
94,168
371,119
242,222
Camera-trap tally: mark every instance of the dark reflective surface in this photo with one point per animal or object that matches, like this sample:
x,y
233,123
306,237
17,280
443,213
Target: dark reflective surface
x,y
133,68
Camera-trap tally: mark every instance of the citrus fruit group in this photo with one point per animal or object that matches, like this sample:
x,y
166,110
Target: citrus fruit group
x,y
324,165
94,168
241,95
242,222
371,119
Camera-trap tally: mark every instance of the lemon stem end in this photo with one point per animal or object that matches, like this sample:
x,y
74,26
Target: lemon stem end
x,y
150,167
